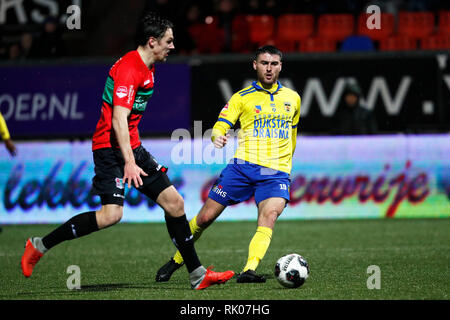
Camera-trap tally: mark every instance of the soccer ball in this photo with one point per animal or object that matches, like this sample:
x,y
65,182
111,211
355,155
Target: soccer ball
x,y
291,270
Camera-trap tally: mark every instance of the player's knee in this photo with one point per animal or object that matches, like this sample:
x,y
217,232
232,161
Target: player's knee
x,y
175,207
204,219
270,216
109,215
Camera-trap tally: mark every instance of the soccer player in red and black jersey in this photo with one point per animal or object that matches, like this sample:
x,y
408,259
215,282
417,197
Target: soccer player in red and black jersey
x,y
120,159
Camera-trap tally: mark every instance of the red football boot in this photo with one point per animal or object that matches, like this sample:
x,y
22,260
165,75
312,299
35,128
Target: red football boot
x,y
30,257
212,277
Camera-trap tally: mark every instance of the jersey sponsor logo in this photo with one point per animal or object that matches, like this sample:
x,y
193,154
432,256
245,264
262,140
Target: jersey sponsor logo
x,y
131,94
258,109
267,127
119,183
121,91
146,82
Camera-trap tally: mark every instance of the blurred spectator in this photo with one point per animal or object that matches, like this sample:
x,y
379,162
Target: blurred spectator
x,y
185,36
14,51
253,7
165,8
4,54
226,11
273,7
352,117
50,43
27,46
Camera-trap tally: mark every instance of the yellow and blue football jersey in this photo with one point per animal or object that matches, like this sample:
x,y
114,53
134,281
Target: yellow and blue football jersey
x,y
268,119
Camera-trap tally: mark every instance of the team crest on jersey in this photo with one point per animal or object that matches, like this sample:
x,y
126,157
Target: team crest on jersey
x,y
258,109
287,106
121,91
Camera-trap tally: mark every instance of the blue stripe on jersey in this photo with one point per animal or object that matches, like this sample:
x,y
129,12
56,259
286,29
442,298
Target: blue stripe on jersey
x,y
243,94
293,127
245,90
226,121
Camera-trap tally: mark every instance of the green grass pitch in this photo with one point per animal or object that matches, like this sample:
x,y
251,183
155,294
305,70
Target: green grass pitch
x,y
120,262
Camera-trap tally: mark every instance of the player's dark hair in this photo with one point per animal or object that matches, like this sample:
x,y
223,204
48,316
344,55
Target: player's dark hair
x,y
151,25
268,49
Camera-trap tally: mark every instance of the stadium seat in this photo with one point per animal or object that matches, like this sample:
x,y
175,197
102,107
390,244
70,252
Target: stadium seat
x,y
444,22
335,26
317,44
291,29
436,42
357,43
261,28
387,26
398,43
295,27
208,36
240,37
415,25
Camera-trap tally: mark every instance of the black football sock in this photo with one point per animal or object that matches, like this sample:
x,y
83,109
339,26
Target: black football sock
x,y
76,227
181,236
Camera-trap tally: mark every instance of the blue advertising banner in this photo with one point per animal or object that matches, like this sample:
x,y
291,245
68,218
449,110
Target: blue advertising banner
x,y
65,100
332,178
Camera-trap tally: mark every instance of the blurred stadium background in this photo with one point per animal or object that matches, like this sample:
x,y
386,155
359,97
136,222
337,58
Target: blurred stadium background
x,y
51,80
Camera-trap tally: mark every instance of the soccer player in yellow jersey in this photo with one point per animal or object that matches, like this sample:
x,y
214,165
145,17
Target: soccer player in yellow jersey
x,y
4,133
268,113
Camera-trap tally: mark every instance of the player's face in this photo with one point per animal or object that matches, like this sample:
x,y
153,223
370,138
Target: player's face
x,y
162,47
268,67
351,99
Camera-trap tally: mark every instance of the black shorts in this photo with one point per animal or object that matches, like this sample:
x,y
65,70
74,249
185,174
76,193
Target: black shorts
x,y
109,165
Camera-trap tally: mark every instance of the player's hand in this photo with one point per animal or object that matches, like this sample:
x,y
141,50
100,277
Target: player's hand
x,y
132,174
221,141
11,147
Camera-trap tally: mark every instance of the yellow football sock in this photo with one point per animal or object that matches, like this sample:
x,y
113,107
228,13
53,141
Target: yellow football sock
x,y
258,247
196,232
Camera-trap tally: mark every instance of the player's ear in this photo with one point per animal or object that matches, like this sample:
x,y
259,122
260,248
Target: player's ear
x,y
254,64
152,42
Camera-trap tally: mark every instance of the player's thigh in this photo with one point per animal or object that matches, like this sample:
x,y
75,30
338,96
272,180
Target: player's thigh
x,y
107,182
157,185
171,202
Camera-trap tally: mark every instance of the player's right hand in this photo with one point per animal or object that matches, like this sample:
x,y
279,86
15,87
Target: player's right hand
x,y
221,141
132,174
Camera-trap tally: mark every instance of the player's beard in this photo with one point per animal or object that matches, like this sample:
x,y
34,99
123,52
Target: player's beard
x,y
267,82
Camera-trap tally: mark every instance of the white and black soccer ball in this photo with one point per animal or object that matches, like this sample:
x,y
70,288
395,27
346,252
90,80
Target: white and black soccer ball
x,y
291,270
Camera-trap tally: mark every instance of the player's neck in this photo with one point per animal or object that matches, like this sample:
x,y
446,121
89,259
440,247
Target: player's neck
x,y
267,86
146,56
